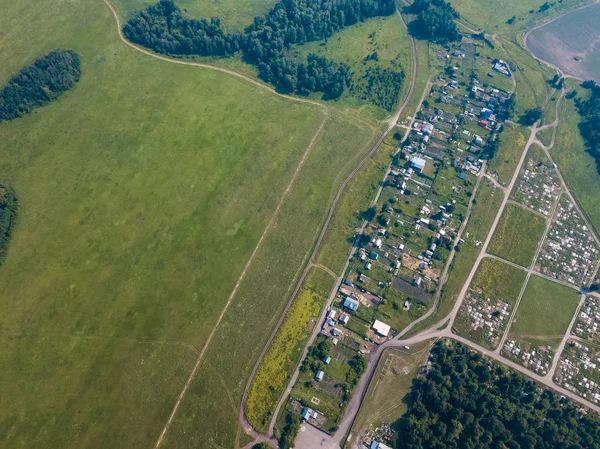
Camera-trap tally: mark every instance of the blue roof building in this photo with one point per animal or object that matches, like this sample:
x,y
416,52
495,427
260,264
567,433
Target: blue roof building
x,y
350,303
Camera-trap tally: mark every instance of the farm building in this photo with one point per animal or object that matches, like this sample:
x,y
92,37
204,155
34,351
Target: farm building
x,y
417,281
319,376
381,328
350,304
418,163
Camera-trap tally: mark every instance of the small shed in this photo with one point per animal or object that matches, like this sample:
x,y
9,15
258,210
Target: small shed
x,y
327,360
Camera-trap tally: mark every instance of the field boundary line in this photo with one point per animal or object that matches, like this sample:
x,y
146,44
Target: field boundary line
x,y
240,279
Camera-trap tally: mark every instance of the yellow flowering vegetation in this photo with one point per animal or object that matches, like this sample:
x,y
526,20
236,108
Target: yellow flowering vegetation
x,y
282,357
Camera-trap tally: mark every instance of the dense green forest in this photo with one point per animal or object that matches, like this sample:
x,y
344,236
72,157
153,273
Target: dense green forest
x,y
40,83
466,402
435,20
164,29
8,212
266,42
380,86
590,125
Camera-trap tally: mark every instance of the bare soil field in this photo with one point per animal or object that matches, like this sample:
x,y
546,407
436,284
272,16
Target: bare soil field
x,y
571,43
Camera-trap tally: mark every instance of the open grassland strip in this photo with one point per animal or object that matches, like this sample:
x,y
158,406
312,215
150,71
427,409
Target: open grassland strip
x,y
386,397
240,279
138,207
263,294
512,141
421,80
578,168
544,312
286,349
493,17
81,375
488,199
517,235
347,217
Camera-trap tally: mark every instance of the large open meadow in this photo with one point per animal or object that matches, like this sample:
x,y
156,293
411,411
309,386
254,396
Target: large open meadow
x,y
143,192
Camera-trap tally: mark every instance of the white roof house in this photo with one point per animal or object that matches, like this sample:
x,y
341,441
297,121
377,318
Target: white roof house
x,y
381,328
319,376
378,445
418,163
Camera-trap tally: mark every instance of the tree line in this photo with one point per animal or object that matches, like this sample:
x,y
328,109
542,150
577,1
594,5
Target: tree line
x,y
265,43
40,83
435,20
466,402
590,125
8,213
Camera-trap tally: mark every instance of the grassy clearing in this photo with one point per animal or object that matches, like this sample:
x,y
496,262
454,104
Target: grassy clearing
x,y
505,161
385,401
499,280
143,193
492,16
286,349
544,312
347,217
517,235
577,167
545,136
267,286
384,35
488,200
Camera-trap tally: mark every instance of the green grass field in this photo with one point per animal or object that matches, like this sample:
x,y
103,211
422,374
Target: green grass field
x,y
577,167
499,280
544,312
143,192
512,143
517,235
385,401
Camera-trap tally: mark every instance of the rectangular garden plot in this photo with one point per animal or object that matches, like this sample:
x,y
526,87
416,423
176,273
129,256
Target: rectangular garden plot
x,y
541,321
486,309
517,235
569,252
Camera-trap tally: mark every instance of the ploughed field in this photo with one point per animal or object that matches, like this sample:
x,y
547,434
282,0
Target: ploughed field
x,y
572,43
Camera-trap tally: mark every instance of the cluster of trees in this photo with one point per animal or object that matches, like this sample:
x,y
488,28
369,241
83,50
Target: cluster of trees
x,y
466,402
590,125
164,29
40,83
8,213
435,20
316,355
380,86
531,116
290,431
266,42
